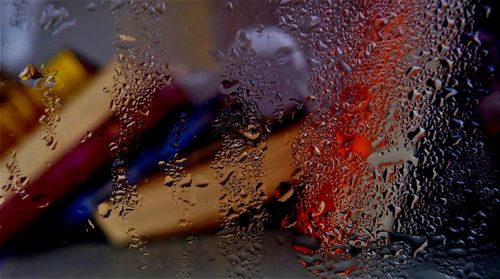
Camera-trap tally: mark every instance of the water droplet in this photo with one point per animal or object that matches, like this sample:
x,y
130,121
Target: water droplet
x,y
413,71
185,181
229,5
104,209
226,176
201,181
252,132
243,40
168,181
125,41
311,22
30,72
315,150
229,86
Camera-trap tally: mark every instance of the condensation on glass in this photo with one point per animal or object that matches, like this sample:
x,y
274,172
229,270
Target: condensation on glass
x,y
347,131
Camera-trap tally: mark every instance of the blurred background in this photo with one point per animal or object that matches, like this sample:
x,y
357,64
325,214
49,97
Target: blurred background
x,y
53,222
56,165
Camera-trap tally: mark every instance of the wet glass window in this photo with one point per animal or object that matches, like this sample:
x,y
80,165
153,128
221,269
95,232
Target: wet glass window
x,y
249,139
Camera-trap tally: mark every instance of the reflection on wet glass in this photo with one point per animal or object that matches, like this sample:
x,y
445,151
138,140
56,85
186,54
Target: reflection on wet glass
x,y
323,139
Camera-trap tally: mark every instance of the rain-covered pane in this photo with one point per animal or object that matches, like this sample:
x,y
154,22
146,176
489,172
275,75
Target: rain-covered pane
x,y
228,139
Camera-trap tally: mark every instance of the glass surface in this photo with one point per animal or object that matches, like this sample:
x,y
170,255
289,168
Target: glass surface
x,y
216,139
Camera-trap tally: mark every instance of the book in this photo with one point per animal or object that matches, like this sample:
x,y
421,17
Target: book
x,y
160,214
21,106
54,173
42,166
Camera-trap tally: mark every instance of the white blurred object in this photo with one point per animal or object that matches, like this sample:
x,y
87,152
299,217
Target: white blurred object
x,y
271,44
18,33
288,62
